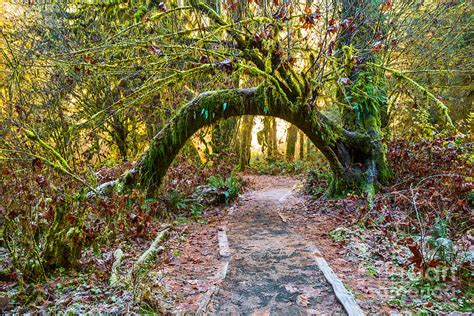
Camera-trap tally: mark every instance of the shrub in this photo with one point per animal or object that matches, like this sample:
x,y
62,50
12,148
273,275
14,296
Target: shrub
x,y
42,223
230,186
218,190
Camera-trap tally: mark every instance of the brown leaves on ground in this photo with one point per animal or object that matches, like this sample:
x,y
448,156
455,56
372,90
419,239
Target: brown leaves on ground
x,y
424,212
190,263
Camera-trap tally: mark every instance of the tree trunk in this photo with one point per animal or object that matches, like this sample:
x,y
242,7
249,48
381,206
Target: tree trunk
x,y
309,150
301,146
119,135
291,138
272,152
222,133
273,138
264,138
245,142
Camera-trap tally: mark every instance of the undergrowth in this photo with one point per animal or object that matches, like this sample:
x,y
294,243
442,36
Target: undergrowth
x,y
50,229
422,221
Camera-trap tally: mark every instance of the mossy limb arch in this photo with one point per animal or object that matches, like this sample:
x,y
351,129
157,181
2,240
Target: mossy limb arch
x,y
343,149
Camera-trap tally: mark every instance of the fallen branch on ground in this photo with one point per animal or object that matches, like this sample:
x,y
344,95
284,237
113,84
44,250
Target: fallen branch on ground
x,y
149,254
140,265
114,271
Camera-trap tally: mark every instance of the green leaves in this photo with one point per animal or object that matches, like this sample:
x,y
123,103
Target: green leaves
x,y
358,109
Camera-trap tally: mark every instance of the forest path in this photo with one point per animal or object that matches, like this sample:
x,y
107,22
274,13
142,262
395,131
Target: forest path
x,y
271,269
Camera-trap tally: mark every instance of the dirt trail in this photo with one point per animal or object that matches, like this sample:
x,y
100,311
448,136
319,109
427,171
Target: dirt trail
x,y
271,269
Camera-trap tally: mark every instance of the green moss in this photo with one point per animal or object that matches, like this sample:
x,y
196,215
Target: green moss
x,y
63,244
383,168
271,80
348,62
341,185
120,187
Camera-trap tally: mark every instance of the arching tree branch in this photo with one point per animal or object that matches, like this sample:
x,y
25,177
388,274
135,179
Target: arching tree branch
x,y
210,107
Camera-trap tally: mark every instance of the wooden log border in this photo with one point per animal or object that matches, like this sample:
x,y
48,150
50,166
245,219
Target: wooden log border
x,y
224,252
343,295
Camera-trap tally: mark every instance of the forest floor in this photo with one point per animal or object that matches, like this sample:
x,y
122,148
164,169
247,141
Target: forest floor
x,y
269,267
270,229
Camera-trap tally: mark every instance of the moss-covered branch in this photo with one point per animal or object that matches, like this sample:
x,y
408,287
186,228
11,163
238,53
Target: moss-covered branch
x,y
401,75
212,106
241,41
34,137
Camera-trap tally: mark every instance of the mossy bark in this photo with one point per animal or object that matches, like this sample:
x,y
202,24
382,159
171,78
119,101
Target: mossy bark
x,y
269,141
245,142
63,244
210,107
291,138
272,137
309,150
365,168
365,103
222,133
119,135
301,146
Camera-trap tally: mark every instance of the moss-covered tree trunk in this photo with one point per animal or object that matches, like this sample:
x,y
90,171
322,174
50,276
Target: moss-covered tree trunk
x,y
365,168
272,139
192,153
363,92
245,142
269,143
309,150
291,138
64,241
210,107
222,134
301,146
119,135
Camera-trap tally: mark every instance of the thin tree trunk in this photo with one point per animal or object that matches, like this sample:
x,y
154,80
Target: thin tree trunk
x,y
222,133
301,146
273,145
309,150
119,135
245,142
269,137
291,138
